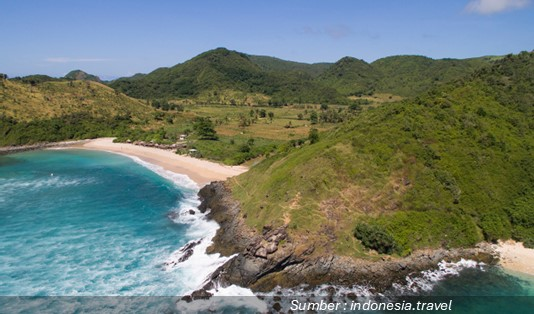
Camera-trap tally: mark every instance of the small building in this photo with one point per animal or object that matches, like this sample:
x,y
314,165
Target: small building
x,y
194,153
183,137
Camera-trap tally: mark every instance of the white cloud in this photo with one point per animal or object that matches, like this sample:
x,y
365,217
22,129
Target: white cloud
x,y
74,60
488,7
338,31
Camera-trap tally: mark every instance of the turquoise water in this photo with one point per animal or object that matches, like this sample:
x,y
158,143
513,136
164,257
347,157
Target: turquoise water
x,y
86,223
77,222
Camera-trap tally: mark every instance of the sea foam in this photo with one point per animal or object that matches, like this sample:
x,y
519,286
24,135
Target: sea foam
x,y
198,267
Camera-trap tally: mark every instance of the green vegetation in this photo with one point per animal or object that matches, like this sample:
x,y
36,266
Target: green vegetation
x,y
224,76
447,169
339,154
351,76
234,150
81,76
228,77
204,129
313,137
42,110
31,100
271,64
374,237
67,127
410,76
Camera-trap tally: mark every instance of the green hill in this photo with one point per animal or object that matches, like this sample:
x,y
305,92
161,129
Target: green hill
x,y
55,110
228,77
81,76
351,76
409,76
219,74
272,64
448,169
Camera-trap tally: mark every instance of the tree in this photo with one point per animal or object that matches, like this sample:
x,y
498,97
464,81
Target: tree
x,y
204,129
263,113
375,237
313,117
324,107
355,107
271,115
313,136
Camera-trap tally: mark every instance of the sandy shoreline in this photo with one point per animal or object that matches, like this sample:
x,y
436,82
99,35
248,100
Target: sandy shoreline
x,y
515,257
200,171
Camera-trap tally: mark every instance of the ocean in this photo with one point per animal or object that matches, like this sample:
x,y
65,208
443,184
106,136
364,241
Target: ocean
x,y
82,224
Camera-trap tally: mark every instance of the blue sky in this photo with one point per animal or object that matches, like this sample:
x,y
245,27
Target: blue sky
x,y
120,38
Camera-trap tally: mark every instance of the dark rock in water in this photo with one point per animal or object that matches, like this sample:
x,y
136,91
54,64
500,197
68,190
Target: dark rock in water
x,y
186,251
191,212
172,215
186,256
201,294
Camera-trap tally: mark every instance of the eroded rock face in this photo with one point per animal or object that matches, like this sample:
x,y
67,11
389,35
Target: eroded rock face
x,y
271,258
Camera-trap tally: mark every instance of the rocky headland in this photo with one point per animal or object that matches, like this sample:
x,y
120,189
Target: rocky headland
x,y
273,257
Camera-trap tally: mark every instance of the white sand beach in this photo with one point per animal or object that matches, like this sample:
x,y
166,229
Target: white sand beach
x,y
515,257
200,171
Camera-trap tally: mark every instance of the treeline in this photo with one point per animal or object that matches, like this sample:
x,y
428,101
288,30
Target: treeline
x,y
68,127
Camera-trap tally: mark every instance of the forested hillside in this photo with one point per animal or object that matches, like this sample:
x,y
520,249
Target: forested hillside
x,y
217,73
450,168
230,77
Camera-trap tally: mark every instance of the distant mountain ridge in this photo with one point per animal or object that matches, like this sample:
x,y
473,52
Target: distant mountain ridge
x,y
221,70
82,76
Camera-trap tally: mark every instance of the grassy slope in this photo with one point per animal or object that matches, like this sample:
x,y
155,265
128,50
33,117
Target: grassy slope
x,y
25,102
61,110
448,169
229,127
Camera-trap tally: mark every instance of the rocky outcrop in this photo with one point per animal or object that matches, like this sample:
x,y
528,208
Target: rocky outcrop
x,y
272,258
182,255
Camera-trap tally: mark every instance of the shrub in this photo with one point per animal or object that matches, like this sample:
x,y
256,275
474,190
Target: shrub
x,y
495,225
313,136
375,237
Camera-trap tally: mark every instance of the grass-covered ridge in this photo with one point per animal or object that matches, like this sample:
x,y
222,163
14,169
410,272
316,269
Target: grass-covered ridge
x,y
40,109
448,169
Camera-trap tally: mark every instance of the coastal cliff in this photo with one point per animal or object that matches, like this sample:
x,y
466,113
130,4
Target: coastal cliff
x,y
273,258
